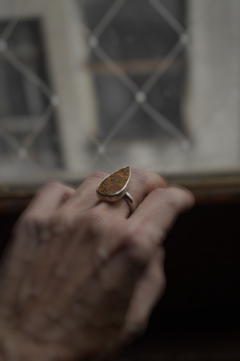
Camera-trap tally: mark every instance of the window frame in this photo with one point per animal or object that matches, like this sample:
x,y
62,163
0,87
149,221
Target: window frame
x,y
63,30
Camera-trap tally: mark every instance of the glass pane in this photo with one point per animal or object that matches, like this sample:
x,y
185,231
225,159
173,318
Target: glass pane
x,y
25,148
151,84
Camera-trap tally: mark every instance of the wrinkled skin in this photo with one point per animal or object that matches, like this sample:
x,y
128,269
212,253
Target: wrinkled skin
x,y
81,277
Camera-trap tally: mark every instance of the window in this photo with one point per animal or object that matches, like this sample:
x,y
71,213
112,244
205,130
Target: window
x,y
137,42
28,139
138,64
149,83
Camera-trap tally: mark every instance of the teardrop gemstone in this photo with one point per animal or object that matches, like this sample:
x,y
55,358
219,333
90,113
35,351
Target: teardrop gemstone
x,y
115,182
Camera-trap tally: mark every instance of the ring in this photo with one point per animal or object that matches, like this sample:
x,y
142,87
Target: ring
x,y
114,187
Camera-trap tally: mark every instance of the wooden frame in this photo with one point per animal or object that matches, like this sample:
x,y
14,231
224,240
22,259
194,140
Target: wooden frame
x,y
209,189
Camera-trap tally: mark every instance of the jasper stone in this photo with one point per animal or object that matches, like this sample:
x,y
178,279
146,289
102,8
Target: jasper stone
x,y
115,182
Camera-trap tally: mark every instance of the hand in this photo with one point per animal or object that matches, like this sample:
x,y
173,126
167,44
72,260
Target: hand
x,y
81,276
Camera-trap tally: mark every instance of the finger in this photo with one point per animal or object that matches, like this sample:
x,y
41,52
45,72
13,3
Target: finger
x,y
118,288
109,289
48,198
149,224
73,248
169,202
85,196
104,302
72,270
65,242
31,223
140,185
145,228
21,254
148,291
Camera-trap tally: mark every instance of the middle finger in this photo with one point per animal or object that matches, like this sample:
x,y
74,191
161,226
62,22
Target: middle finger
x,y
141,184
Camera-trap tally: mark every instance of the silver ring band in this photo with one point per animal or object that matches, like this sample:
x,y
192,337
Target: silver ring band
x,y
128,198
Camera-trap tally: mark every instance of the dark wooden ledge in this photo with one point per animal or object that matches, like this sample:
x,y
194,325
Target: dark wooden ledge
x,y
207,189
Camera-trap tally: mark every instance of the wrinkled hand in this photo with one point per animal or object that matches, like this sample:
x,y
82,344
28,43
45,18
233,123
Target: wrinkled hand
x,y
82,276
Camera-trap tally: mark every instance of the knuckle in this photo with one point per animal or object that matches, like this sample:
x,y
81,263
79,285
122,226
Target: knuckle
x,y
92,220
161,181
97,175
39,221
137,327
138,244
57,187
51,185
139,176
67,192
165,197
143,177
57,220
29,224
29,218
93,215
157,280
157,277
89,222
60,222
132,236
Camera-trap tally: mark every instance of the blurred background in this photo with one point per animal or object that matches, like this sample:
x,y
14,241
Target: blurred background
x,y
98,84
91,85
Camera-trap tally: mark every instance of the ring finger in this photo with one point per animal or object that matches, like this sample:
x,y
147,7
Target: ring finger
x,y
141,184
